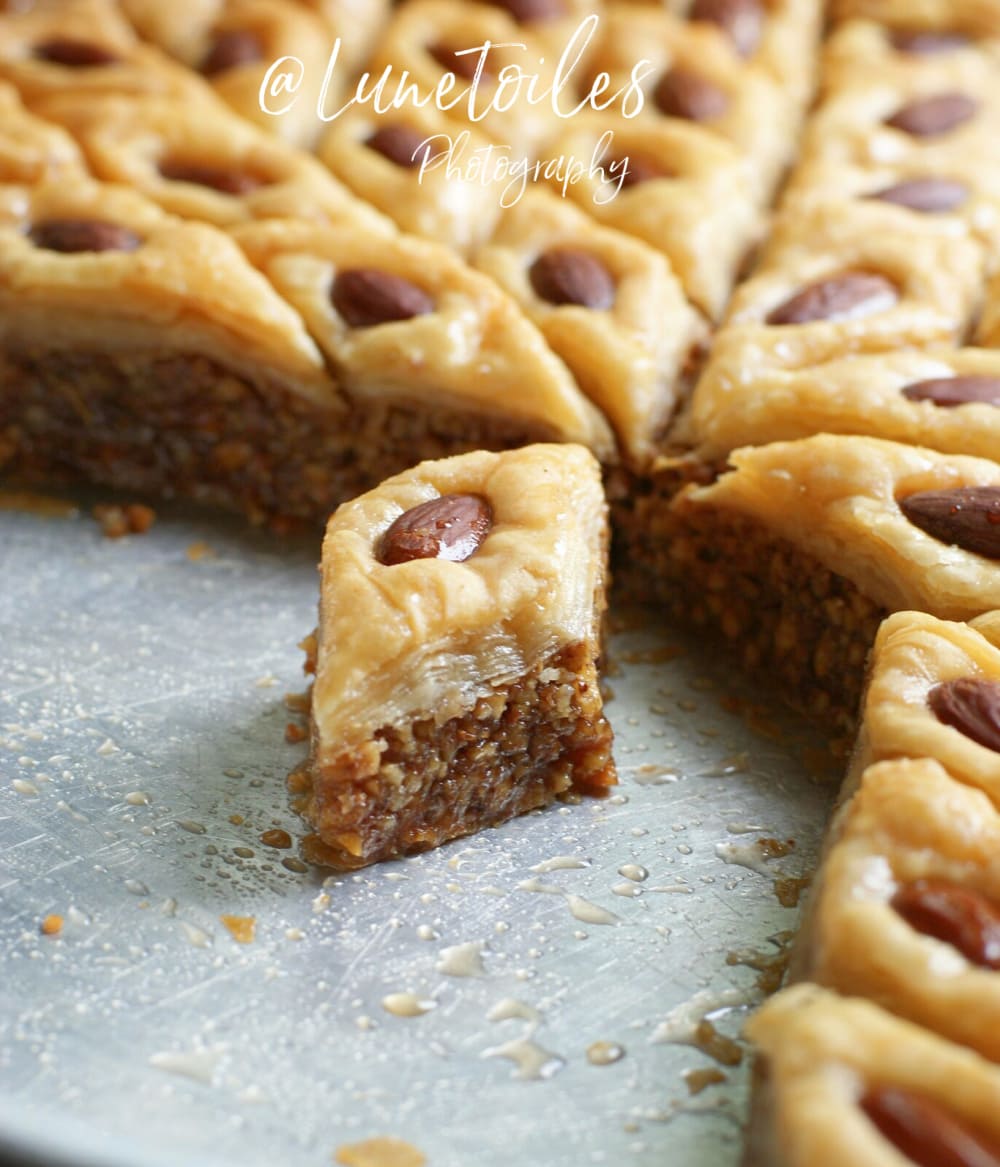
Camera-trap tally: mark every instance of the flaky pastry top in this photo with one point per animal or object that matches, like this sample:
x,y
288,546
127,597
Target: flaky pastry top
x,y
429,638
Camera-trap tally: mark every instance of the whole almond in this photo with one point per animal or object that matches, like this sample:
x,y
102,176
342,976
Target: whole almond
x,y
569,275
74,235
368,296
842,297
638,169
965,516
970,705
221,178
921,42
231,48
929,195
683,94
451,527
955,915
400,143
741,20
930,117
75,54
463,64
533,11
926,1133
964,389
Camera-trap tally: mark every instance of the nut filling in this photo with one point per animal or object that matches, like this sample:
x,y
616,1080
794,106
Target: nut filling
x,y
708,569
420,785
222,439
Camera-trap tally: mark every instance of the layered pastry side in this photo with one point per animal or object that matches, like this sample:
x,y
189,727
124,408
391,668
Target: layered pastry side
x,y
799,551
840,1081
456,654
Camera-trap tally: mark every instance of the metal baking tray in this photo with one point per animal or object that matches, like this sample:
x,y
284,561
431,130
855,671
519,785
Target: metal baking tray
x,y
566,990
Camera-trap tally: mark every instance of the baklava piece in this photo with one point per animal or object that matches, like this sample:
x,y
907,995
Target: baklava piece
x,y
607,304
146,353
456,654
672,184
83,47
799,551
245,49
422,171
205,163
934,691
906,911
840,1081
695,75
839,282
442,45
407,325
916,132
945,399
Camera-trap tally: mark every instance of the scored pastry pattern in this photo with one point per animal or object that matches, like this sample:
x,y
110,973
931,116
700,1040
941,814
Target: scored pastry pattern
x,y
758,280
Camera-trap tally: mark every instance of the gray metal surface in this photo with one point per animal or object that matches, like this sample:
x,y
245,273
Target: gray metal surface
x,y
142,754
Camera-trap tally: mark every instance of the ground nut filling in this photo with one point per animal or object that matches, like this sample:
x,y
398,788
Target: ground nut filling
x,y
416,786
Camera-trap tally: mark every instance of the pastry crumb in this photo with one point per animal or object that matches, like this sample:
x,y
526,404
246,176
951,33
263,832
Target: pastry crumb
x,y
51,925
243,929
200,550
117,521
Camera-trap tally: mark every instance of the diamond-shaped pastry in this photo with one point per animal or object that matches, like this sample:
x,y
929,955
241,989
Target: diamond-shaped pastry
x,y
455,658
